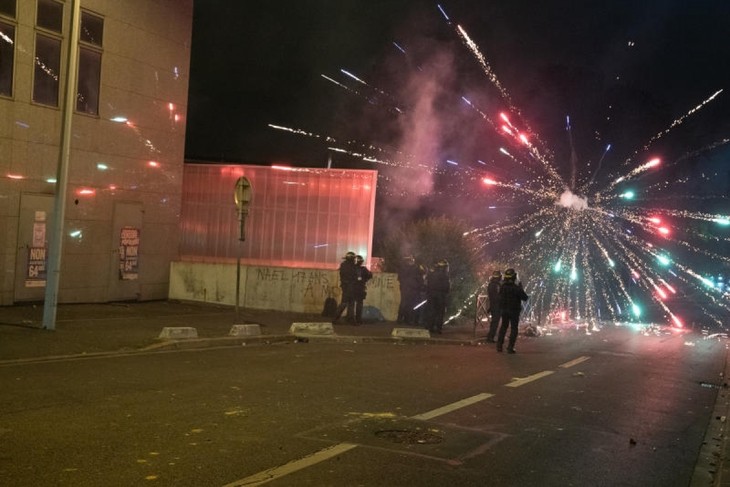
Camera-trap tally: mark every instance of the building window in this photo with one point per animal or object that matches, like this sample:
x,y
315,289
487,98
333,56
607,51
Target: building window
x,y
7,46
90,37
7,7
49,25
50,15
47,67
7,56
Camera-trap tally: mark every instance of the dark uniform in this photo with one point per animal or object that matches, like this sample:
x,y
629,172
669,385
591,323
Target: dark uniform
x,y
410,278
347,281
511,296
493,295
438,286
359,287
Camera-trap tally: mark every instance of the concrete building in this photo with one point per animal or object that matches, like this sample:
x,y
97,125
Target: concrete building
x,y
127,148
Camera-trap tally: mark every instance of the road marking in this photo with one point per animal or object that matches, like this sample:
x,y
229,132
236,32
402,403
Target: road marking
x,y
574,362
453,406
524,380
293,466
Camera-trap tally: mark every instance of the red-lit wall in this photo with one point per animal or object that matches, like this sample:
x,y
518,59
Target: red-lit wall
x,y
298,217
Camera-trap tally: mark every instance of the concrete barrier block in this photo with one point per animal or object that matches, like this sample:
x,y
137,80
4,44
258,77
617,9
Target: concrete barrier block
x,y
175,332
410,333
244,330
312,329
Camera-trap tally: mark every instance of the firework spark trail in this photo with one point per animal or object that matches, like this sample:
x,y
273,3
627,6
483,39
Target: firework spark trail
x,y
485,65
598,168
573,154
674,124
633,173
522,140
375,88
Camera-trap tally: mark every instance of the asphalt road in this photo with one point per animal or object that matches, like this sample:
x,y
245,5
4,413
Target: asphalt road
x,y
613,408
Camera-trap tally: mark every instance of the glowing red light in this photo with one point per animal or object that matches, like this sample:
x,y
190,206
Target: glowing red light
x,y
677,322
524,140
635,274
16,176
153,164
654,162
507,129
664,230
282,168
503,116
661,293
171,106
655,220
488,181
86,192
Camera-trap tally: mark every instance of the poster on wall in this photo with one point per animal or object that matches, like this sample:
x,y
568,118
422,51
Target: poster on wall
x,y
35,275
129,254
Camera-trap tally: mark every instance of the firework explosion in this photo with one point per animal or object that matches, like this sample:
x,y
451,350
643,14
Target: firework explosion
x,y
595,245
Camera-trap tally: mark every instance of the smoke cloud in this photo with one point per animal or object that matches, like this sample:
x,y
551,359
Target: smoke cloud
x,y
572,201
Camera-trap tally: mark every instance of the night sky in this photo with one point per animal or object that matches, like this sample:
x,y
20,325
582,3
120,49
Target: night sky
x,y
255,63
623,70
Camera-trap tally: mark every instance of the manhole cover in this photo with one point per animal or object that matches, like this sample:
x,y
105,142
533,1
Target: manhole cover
x,y
409,436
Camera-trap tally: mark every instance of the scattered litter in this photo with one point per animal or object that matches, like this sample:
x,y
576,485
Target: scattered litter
x,y
709,385
579,374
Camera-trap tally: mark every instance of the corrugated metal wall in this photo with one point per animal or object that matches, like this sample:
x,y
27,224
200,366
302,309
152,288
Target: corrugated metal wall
x,y
298,217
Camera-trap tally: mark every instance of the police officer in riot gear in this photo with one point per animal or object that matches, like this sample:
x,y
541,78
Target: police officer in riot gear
x,y
511,296
347,283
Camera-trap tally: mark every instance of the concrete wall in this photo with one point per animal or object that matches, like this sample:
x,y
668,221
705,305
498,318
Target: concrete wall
x,y
277,288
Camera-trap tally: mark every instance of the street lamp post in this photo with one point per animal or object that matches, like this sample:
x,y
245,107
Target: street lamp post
x,y
59,207
242,196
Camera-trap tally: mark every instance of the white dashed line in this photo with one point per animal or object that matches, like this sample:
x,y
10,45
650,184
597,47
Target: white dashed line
x,y
277,472
525,380
453,406
574,362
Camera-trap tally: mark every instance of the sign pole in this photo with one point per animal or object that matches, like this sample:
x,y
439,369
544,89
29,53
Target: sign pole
x,y
242,195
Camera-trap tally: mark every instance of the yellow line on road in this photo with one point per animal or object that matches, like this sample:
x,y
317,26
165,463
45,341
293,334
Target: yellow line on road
x,y
278,472
574,362
524,380
453,406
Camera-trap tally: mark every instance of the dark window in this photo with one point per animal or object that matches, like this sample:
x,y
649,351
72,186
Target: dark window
x,y
7,55
87,98
47,69
50,15
92,29
7,7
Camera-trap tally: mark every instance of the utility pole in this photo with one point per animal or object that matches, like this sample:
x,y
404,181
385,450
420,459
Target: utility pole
x,y
59,207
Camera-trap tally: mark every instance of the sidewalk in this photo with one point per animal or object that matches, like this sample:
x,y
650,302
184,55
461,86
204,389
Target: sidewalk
x,y
128,327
